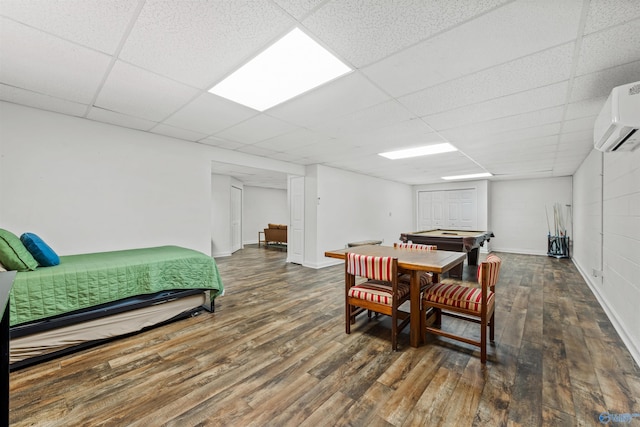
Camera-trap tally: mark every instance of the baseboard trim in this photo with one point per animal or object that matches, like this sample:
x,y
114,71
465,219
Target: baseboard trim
x,y
221,254
329,263
518,251
611,314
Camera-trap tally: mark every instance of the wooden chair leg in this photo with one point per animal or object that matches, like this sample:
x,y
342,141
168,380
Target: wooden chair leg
x,y
483,341
492,327
394,330
347,318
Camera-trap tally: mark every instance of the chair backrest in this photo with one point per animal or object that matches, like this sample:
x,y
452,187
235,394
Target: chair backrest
x,y
372,267
415,246
492,263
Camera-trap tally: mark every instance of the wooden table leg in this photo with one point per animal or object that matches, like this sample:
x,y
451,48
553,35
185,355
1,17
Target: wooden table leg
x,y
415,334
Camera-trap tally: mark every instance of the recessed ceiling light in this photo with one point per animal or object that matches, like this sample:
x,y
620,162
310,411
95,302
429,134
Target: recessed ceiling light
x,y
291,66
419,151
470,176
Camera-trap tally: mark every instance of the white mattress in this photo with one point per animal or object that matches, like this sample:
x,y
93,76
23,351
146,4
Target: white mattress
x,y
107,327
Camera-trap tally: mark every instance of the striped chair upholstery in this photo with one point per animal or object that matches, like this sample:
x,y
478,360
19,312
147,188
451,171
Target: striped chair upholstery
x,y
467,303
416,246
425,278
380,294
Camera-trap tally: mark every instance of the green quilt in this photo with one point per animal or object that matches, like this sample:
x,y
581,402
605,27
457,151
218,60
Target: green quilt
x,y
86,280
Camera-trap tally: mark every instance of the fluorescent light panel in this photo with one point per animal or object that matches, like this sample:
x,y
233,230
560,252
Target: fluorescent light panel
x,y
470,176
419,151
291,66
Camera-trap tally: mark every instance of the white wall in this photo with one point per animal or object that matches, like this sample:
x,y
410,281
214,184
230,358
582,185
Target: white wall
x,y
517,211
262,206
353,207
617,193
621,243
86,186
587,209
220,215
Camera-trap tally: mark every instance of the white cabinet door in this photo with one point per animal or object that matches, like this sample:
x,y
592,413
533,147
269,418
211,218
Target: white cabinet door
x,y
453,209
468,210
438,209
425,215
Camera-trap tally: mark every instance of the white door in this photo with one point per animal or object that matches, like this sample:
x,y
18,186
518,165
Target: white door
x,y
295,247
453,210
236,219
438,209
425,219
468,209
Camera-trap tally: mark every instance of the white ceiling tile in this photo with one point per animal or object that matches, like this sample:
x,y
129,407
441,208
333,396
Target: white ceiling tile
x,y
255,129
43,102
599,84
511,105
37,62
175,132
491,143
405,134
376,117
221,143
319,149
509,32
299,8
609,48
210,114
106,116
286,157
292,140
589,107
606,13
576,137
198,43
345,95
363,32
97,24
527,122
544,68
581,124
257,151
131,90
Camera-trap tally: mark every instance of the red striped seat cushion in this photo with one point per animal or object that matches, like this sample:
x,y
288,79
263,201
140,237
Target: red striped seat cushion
x,y
378,292
456,296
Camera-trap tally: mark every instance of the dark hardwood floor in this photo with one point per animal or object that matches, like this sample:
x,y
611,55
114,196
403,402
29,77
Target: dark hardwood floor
x,y
275,354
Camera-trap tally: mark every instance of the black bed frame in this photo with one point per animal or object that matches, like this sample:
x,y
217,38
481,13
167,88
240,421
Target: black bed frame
x,y
97,312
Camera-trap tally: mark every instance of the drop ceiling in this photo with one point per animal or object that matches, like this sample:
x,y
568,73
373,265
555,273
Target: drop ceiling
x,y
514,85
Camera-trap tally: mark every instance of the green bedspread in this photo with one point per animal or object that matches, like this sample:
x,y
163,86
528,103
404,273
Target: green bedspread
x,y
86,280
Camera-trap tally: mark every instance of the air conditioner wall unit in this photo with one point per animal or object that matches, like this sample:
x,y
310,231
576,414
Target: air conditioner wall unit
x,y
616,127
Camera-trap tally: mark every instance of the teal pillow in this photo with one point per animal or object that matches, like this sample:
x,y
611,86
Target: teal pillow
x,y
13,254
45,256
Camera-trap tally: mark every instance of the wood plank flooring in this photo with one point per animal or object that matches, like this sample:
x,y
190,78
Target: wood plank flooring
x,y
275,354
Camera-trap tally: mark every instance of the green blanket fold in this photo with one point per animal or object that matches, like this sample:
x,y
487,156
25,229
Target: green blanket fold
x,y
86,280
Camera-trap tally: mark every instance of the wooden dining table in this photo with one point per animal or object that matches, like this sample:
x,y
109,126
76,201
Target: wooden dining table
x,y
413,262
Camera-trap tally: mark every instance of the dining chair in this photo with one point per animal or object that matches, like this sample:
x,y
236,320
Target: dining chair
x,y
381,293
426,278
464,302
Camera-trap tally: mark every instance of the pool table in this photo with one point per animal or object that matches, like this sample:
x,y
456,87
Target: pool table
x,y
452,240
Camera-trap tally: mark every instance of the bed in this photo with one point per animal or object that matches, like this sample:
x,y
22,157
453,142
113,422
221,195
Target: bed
x,y
90,298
